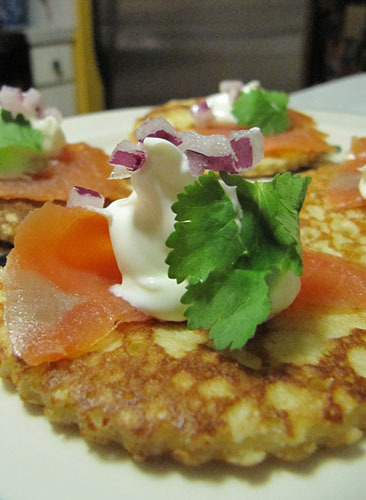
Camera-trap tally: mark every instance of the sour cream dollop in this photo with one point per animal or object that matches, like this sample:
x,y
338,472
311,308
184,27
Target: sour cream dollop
x,y
139,226
53,136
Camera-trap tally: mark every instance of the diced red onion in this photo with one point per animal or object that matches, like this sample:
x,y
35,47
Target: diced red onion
x,y
160,128
201,113
247,146
11,99
198,163
84,197
208,145
28,103
32,103
242,150
231,87
126,158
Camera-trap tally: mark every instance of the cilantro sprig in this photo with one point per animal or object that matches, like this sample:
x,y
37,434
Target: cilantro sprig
x,y
264,109
20,146
230,256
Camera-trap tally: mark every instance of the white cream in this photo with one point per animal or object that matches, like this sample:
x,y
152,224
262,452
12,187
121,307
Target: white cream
x,y
283,292
139,226
221,103
54,138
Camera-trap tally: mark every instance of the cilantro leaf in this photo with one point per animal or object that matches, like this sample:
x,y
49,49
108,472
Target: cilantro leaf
x,y
263,109
275,207
230,306
20,146
231,256
209,211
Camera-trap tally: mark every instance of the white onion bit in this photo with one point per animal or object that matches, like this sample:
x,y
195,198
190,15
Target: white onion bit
x,y
83,197
28,103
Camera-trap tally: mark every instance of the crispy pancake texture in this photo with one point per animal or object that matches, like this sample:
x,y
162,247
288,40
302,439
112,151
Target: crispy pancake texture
x,y
178,113
12,212
159,389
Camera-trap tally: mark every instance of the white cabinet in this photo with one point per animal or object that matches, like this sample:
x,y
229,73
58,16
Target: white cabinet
x,y
53,74
50,34
52,65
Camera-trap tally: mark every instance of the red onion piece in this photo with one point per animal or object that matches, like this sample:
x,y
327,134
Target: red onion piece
x,y
242,150
247,146
126,158
160,128
11,99
209,145
201,113
231,87
32,103
84,197
198,163
28,103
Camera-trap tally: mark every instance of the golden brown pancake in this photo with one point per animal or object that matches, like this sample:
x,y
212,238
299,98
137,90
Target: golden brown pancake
x,y
159,389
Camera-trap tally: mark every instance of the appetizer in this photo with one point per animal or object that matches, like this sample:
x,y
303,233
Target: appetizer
x,y
36,163
291,140
173,323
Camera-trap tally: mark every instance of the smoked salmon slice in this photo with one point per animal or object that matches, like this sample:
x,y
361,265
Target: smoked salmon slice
x,y
329,281
77,165
56,285
302,137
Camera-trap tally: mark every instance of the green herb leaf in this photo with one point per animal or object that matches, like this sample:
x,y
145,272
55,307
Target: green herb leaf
x,y
20,146
230,306
231,255
209,212
263,109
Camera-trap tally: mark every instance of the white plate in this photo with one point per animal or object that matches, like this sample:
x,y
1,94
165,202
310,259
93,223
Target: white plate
x,y
39,461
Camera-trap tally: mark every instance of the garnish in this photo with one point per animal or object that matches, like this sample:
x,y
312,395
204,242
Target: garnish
x,y
23,146
241,150
264,109
232,255
20,146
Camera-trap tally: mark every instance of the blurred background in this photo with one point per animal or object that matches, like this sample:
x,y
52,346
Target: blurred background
x,y
90,55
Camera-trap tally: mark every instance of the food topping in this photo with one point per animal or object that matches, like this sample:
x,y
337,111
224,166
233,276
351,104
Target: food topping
x,y
83,197
249,269
329,281
264,109
30,132
246,105
77,165
56,284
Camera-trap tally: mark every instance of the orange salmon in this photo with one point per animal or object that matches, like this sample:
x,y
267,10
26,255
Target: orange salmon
x,y
331,282
56,284
77,165
302,137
